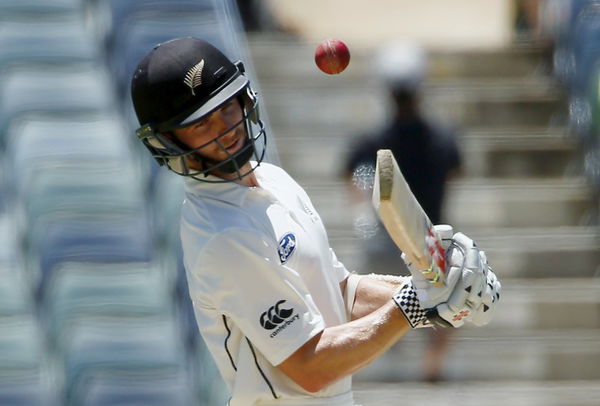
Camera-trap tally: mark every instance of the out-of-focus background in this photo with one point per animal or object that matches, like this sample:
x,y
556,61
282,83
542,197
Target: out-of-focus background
x,y
93,302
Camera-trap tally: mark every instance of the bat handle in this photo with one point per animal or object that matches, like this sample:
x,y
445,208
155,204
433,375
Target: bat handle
x,y
435,274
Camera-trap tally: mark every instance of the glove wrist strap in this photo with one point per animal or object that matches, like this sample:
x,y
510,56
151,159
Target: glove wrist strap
x,y
406,299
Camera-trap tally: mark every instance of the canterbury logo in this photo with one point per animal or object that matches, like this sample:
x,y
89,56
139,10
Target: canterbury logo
x,y
193,78
275,316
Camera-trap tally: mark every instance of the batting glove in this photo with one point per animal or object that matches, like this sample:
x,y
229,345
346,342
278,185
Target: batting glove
x,y
485,301
470,291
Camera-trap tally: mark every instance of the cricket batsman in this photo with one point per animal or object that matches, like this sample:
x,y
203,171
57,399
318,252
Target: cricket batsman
x,y
286,322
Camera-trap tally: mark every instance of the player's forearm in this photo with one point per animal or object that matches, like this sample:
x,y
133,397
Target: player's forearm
x,y
372,292
343,350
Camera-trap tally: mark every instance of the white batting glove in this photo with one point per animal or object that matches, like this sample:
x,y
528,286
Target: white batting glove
x,y
484,303
470,291
417,298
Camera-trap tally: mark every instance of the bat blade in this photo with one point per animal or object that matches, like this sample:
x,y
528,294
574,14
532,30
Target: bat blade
x,y
405,220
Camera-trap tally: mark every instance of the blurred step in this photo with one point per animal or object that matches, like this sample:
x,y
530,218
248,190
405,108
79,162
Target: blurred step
x,y
513,391
279,57
518,203
520,60
299,104
548,303
483,203
551,252
317,109
487,109
9,247
518,152
494,354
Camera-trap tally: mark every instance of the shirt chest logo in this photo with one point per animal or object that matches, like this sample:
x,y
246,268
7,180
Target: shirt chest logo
x,y
287,246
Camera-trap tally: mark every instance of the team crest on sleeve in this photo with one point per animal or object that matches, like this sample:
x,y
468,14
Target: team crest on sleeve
x,y
287,246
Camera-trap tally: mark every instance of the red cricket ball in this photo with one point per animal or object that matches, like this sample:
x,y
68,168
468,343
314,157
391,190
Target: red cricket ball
x,y
332,56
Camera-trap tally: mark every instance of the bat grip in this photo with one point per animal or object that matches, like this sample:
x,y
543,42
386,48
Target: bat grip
x,y
435,274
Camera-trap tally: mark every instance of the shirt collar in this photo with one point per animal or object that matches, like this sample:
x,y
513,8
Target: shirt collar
x,y
229,192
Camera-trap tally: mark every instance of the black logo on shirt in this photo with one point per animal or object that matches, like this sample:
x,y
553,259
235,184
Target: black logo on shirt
x,y
277,318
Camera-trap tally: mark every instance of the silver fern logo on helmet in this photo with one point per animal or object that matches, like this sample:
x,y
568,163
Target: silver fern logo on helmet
x,y
193,78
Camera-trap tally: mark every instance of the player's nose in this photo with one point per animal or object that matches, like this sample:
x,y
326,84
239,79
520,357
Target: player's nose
x,y
227,123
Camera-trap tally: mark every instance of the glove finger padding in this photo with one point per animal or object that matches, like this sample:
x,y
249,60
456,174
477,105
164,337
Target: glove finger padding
x,y
466,296
474,285
474,275
468,292
490,298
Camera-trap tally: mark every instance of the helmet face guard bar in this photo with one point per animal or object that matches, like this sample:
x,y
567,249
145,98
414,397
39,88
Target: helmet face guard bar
x,y
177,157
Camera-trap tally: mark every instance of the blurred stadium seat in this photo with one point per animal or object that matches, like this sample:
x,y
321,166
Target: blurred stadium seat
x,y
95,146
121,389
94,239
86,290
15,295
26,391
47,42
60,91
36,9
133,345
26,373
112,15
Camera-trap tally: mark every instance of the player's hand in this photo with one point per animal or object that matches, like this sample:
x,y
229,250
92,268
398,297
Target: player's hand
x,y
485,302
475,294
420,297
470,291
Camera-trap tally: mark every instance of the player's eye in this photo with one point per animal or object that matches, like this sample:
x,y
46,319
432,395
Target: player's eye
x,y
201,124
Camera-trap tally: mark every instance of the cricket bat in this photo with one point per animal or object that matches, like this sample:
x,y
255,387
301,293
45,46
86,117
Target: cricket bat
x,y
405,220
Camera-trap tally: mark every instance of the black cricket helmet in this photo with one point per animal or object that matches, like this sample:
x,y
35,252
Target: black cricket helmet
x,y
181,82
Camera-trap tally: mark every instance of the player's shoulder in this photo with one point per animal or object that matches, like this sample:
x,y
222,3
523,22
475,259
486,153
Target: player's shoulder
x,y
269,169
441,128
275,174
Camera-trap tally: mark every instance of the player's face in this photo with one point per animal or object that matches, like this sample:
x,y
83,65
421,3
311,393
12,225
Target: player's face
x,y
224,127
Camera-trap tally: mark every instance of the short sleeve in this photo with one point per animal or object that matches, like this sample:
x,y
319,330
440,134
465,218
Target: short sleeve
x,y
241,275
339,268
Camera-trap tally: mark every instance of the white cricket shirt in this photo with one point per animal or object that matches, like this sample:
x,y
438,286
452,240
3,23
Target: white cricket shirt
x,y
263,281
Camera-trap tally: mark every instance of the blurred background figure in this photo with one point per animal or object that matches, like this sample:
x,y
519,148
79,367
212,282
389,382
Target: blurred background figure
x,y
427,154
257,17
528,17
